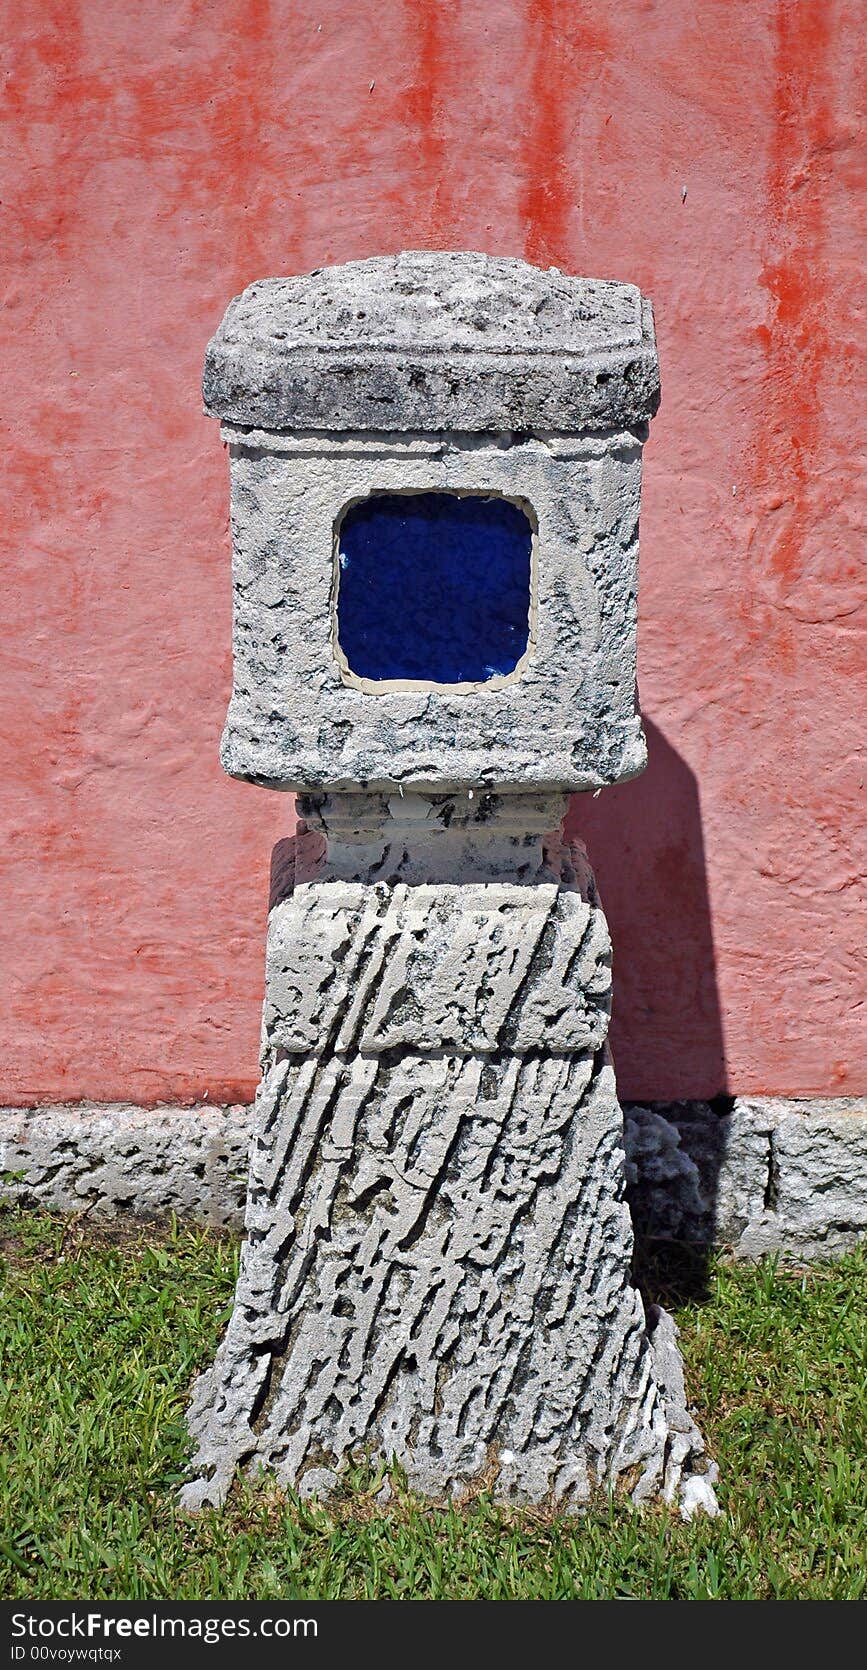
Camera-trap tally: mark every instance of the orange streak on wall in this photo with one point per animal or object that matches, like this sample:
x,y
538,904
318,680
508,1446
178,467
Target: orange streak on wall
x,y
563,44
424,105
795,341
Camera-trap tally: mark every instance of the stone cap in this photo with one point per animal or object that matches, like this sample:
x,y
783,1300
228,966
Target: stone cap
x,y
437,341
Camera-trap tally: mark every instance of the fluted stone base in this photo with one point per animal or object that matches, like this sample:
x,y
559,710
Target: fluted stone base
x,y
437,1258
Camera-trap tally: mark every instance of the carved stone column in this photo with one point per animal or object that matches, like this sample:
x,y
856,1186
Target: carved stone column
x,y
437,1258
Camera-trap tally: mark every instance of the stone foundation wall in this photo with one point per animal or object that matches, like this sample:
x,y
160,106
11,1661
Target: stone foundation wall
x,y
761,1175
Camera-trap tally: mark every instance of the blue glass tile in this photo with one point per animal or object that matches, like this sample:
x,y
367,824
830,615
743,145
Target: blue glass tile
x,y
434,586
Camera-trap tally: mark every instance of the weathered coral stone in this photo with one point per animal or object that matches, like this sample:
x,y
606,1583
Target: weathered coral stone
x,y
437,1259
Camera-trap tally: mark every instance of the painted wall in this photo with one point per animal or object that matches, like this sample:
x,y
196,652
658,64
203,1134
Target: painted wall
x,y
161,155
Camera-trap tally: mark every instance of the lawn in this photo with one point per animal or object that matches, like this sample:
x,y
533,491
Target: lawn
x,y
102,1332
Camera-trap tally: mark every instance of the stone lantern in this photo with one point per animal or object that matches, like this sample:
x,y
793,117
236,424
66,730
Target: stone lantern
x,y
435,477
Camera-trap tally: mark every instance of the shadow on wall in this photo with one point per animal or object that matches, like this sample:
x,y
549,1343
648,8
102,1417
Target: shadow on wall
x,y
646,846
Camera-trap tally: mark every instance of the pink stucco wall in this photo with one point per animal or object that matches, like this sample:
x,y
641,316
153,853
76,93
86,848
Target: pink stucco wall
x,y
161,155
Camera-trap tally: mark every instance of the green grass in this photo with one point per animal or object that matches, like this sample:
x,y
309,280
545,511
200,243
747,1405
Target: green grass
x,y
100,1339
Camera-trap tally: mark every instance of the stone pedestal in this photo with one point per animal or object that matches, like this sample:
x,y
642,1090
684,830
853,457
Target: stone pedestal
x,y
435,465
437,1258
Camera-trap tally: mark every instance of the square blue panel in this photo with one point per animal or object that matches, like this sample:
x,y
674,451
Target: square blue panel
x,y
434,587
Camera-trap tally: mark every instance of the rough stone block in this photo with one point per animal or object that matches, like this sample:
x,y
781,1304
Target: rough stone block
x,y
148,1162
468,969
437,1257
428,377
434,340
565,718
814,1200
